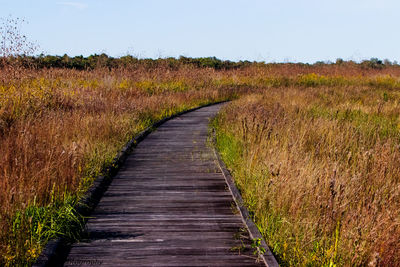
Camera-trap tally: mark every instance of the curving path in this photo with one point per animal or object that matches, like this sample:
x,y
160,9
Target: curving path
x,y
168,206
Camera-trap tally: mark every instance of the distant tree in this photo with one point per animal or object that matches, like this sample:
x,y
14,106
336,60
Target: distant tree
x,y
373,63
319,63
339,61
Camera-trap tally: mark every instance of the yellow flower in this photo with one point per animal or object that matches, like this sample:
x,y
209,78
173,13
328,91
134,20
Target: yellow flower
x,y
33,253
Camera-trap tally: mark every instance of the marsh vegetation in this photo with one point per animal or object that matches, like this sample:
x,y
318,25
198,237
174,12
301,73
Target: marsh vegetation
x,y
314,148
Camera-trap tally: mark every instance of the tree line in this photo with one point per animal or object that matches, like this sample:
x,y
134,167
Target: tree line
x,y
104,61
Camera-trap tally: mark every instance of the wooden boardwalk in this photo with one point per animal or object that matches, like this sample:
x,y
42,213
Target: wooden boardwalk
x,y
168,206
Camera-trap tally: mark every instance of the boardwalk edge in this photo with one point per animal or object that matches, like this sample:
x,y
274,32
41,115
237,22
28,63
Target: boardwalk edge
x,y
55,251
267,257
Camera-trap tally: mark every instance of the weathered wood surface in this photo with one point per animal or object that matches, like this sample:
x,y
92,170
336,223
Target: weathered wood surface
x,y
169,205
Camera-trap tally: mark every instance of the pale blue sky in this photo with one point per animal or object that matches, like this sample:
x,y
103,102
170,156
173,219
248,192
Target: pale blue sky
x,y
269,30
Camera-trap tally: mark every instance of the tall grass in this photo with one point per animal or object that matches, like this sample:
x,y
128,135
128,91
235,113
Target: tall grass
x,y
60,128
318,167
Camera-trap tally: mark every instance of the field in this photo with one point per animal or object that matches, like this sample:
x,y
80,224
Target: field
x,y
313,148
318,166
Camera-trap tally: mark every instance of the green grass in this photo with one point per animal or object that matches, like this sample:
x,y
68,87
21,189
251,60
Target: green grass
x,y
40,225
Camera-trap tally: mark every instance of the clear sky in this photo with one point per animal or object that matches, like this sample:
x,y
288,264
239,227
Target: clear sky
x,y
269,30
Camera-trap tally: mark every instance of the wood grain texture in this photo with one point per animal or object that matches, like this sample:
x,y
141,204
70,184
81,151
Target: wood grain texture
x,y
169,205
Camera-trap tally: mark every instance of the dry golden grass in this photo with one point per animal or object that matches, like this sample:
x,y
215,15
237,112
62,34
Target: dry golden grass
x,y
319,169
60,128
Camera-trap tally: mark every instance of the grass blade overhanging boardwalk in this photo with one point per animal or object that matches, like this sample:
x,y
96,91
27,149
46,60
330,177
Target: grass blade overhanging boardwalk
x,y
168,205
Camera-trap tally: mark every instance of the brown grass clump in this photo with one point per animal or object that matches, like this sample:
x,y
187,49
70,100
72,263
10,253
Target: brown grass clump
x,y
319,169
